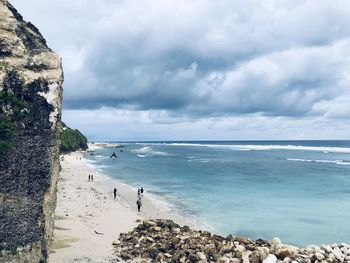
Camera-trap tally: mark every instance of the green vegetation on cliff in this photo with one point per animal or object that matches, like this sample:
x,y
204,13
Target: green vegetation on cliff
x,y
13,107
72,140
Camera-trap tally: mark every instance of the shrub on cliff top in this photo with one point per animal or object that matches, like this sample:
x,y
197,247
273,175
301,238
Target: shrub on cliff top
x,y
72,140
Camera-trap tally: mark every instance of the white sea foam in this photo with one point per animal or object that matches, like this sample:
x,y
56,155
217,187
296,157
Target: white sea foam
x,y
340,162
141,155
244,147
148,151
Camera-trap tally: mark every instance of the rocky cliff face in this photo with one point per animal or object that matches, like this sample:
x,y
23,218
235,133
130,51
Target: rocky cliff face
x,y
30,105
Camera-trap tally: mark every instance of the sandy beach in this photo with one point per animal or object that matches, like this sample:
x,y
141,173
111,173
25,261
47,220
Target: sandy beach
x,y
88,218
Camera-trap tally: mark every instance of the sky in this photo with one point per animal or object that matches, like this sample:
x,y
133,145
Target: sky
x,y
201,69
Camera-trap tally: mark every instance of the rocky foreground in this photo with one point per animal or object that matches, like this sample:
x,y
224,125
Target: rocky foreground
x,y
165,241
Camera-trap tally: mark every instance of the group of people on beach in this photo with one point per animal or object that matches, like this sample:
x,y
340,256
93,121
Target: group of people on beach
x,y
139,195
91,177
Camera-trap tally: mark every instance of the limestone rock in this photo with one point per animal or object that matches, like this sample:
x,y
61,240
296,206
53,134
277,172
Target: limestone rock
x,y
31,80
165,241
270,259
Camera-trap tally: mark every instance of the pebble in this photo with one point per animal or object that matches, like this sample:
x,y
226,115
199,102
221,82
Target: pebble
x,y
271,258
275,241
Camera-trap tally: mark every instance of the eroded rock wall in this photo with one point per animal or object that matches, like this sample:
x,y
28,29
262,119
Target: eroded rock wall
x,y
31,80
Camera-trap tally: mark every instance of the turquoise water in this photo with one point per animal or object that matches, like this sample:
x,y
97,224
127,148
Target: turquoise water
x,y
296,190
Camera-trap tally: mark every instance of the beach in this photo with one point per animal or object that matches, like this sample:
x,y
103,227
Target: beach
x,y
88,218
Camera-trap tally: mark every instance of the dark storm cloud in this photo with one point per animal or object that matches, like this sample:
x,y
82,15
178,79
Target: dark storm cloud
x,y
204,58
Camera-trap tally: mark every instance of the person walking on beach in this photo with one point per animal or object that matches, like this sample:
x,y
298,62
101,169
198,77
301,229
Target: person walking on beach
x,y
89,177
138,193
141,190
115,193
139,204
92,178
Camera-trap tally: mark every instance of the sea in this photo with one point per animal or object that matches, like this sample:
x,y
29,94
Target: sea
x,y
298,191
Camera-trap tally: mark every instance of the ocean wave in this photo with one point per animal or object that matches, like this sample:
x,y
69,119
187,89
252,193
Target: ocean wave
x,y
141,155
244,147
340,162
148,151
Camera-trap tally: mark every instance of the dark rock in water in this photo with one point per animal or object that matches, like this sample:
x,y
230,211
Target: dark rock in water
x,y
114,155
31,80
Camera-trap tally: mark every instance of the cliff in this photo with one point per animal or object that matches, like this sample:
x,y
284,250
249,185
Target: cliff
x,y
31,80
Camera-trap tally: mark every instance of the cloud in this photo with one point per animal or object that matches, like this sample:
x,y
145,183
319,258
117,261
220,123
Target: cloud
x,y
128,125
201,59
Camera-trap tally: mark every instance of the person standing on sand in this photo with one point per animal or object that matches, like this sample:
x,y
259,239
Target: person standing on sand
x,y
139,204
92,178
141,190
115,193
89,177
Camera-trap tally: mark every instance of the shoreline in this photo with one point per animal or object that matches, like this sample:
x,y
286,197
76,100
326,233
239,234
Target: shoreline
x,y
89,222
88,219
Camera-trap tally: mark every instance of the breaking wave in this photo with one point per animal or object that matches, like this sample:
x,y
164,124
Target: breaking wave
x,y
243,147
339,162
148,151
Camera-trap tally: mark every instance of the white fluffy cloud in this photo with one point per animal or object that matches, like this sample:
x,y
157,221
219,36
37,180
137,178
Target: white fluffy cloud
x,y
202,65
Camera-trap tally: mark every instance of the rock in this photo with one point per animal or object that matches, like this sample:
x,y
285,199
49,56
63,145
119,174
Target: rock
x,y
125,255
338,254
282,251
175,257
150,239
159,258
319,256
201,256
31,79
263,252
182,259
245,257
275,241
270,259
263,243
239,248
177,230
157,228
153,253
116,242
193,258
331,257
223,260
334,245
151,223
244,240
185,228
161,243
326,248
255,257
